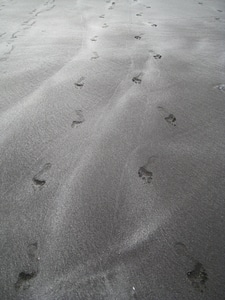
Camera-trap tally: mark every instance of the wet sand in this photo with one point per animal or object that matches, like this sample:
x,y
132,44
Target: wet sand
x,y
112,149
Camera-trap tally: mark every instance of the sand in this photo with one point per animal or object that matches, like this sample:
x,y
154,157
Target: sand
x,y
112,149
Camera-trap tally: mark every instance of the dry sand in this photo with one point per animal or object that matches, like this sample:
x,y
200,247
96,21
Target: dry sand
x,y
112,149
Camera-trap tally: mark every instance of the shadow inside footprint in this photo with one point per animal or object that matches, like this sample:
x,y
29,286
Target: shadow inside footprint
x,y
80,83
137,79
23,278
154,25
96,56
139,15
137,37
198,277
37,180
94,39
79,118
157,56
171,119
145,174
219,10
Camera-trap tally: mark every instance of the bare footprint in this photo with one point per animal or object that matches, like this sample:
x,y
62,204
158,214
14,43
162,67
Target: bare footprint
x,y
157,56
24,277
38,178
105,25
27,21
137,37
79,119
137,79
9,52
80,83
14,36
168,117
144,172
44,10
96,56
198,276
94,39
2,34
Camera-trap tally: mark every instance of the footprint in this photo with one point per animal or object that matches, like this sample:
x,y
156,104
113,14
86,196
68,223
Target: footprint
x,y
154,25
198,276
145,174
32,251
180,249
33,11
27,21
29,25
139,14
105,25
94,39
102,16
200,3
96,56
9,52
216,18
14,36
137,79
169,118
157,56
137,37
80,83
37,178
2,34
24,277
79,118
219,10
44,10
148,6
220,87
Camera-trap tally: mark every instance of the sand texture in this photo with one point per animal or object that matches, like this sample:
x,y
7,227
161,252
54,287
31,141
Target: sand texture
x,y
112,150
